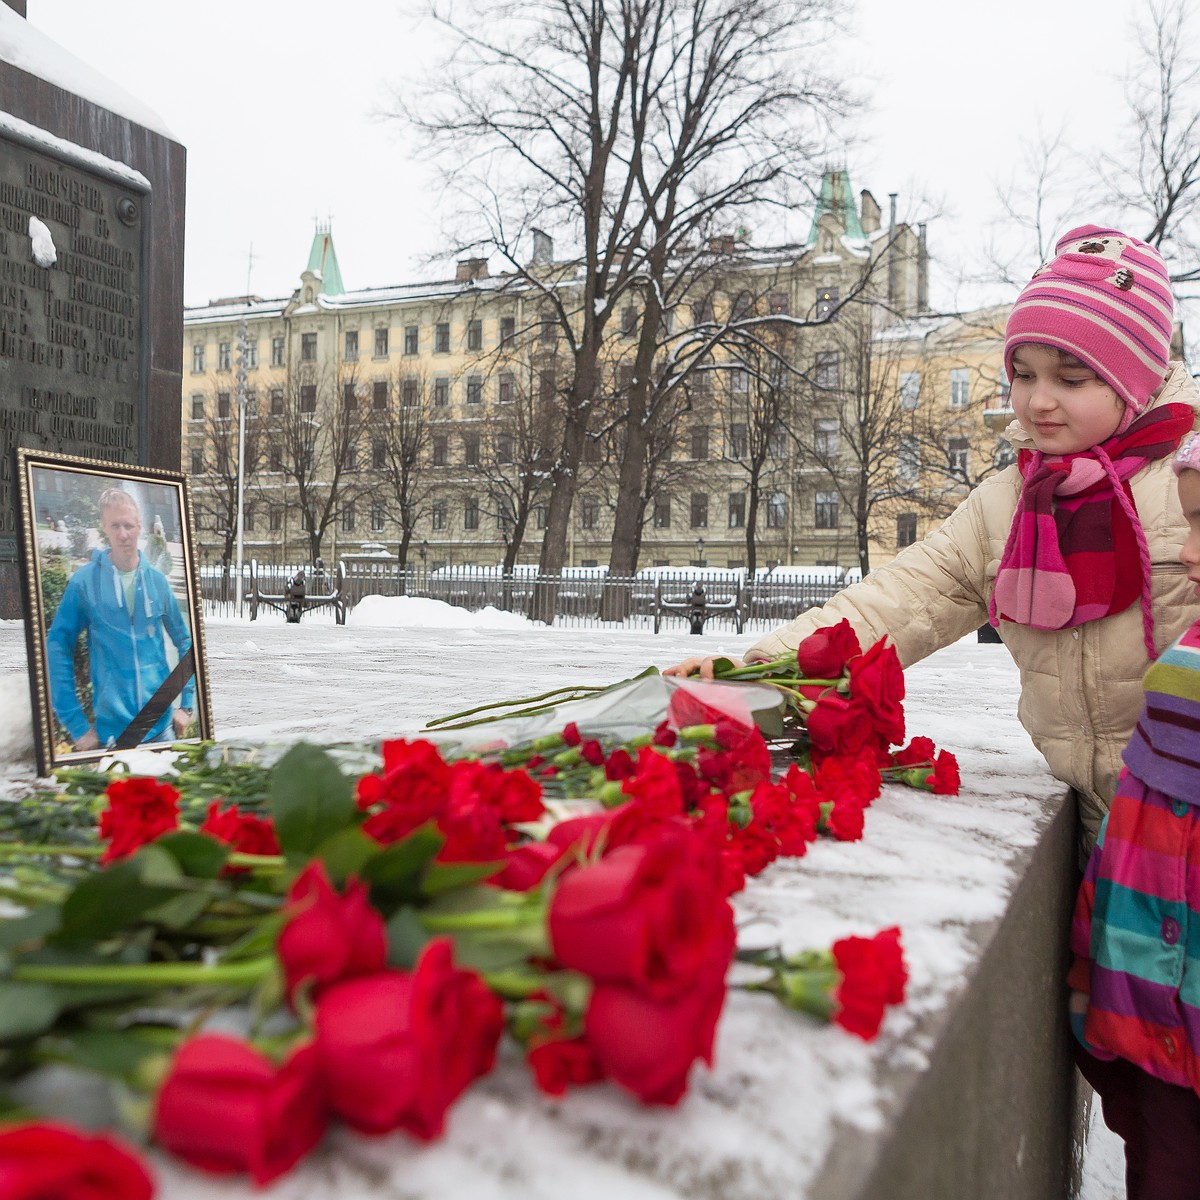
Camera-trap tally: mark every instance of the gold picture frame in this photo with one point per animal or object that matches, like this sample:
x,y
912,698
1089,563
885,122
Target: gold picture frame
x,y
113,626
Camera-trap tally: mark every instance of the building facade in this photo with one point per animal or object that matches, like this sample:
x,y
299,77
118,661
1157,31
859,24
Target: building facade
x,y
422,416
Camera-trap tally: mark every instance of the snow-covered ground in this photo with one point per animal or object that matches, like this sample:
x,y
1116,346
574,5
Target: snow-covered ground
x,y
759,1124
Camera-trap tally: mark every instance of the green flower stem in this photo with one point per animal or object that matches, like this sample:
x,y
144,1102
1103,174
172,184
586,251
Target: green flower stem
x,y
30,895
26,849
151,975
514,984
498,920
271,864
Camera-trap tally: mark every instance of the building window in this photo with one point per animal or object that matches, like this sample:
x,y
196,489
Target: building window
x,y
699,445
197,462
777,510
379,394
547,331
439,451
348,519
738,441
827,298
276,458
737,510
437,516
248,518
412,339
277,402
777,441
252,401
662,512
826,369
547,385
629,321
197,408
308,347
252,354
910,389
539,517
702,312
508,330
410,393
742,306
591,449
475,389
507,387
739,380
223,406
198,359
471,449
351,351
224,356
504,447
441,338
908,460
378,454
308,397
474,335
960,387
277,352
960,455
906,529
825,510
376,518
349,397
441,391
471,513
350,456
222,458
590,512
826,438
778,304
699,510
381,343
276,520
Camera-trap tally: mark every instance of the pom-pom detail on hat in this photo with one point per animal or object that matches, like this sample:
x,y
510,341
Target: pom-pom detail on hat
x,y
1105,298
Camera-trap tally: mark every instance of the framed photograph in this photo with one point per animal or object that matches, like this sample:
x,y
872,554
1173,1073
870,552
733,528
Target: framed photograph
x,y
113,621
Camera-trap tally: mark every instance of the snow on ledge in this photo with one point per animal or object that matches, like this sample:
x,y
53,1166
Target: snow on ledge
x,y
23,46
81,156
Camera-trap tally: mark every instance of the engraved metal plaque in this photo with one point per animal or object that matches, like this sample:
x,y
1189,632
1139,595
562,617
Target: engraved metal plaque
x,y
72,366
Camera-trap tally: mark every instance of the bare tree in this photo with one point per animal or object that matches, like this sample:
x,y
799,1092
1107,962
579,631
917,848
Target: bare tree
x,y
315,439
628,130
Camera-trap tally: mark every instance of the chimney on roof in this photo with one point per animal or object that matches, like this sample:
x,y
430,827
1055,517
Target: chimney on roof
x,y
469,269
543,248
922,271
869,217
892,262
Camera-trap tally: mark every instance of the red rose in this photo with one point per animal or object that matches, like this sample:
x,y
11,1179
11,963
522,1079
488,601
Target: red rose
x,y
242,832
49,1161
646,915
825,653
946,779
877,680
226,1108
839,726
138,811
562,1063
648,1044
329,937
526,866
580,834
397,1049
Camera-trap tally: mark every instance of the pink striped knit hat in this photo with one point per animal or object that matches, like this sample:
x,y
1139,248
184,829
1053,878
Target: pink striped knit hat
x,y
1106,299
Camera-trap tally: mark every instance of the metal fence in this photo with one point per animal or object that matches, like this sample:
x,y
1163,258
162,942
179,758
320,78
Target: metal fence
x,y
656,598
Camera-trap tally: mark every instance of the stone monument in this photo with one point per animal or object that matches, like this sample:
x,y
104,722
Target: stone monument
x,y
91,270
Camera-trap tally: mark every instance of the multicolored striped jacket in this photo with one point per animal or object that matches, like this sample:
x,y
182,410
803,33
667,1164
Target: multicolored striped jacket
x,y
1138,909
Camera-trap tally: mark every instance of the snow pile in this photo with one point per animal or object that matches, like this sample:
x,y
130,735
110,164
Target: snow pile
x,y
16,720
412,612
44,253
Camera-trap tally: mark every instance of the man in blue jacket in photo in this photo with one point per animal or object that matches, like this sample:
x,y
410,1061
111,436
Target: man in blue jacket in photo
x,y
128,610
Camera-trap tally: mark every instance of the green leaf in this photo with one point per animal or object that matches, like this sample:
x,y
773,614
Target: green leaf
x,y
720,666
197,854
156,866
446,877
105,1051
405,938
396,872
179,911
311,799
112,900
259,941
27,1009
347,853
32,927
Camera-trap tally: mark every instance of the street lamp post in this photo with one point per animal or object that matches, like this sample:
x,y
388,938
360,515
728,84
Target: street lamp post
x,y
699,552
242,362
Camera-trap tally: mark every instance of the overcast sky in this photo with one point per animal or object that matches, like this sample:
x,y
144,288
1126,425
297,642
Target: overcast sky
x,y
277,102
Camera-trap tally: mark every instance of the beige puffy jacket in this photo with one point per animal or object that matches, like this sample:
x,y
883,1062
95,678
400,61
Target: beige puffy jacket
x,y
1081,689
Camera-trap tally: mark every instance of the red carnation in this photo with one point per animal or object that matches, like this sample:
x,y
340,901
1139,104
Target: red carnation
x,y
664,735
946,779
919,750
242,832
561,1063
138,811
873,976
50,1161
397,1049
226,1108
619,765
591,752
655,786
329,936
571,735
412,787
825,653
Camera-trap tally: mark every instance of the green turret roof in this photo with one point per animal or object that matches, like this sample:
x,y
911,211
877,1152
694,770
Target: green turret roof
x,y
322,259
837,198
